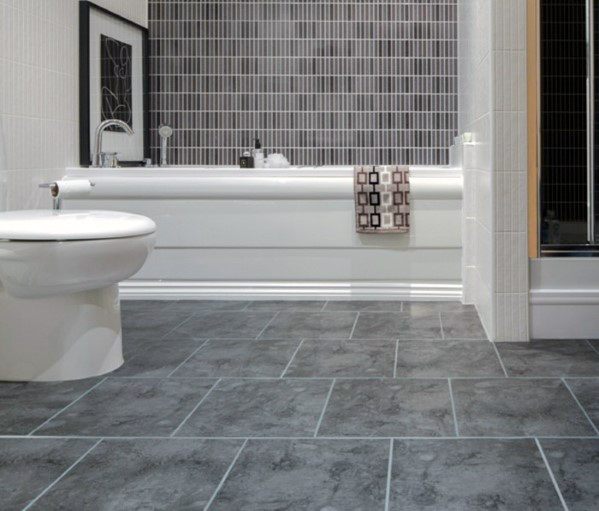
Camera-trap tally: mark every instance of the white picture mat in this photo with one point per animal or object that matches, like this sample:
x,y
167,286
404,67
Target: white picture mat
x,y
129,148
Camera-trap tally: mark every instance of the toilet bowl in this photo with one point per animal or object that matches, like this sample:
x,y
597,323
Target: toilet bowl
x,y
59,300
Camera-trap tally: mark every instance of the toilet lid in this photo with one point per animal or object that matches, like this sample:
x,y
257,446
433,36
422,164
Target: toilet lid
x,y
64,225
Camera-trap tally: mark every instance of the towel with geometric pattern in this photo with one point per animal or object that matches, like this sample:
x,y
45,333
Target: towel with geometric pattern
x,y
382,198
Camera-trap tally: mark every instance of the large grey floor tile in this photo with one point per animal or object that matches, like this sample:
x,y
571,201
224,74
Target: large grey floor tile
x,y
25,406
428,308
151,319
259,408
343,358
29,466
447,359
365,306
397,325
144,474
587,393
193,306
462,475
130,407
549,358
575,465
155,359
212,324
316,325
388,408
317,475
287,305
462,325
240,357
513,407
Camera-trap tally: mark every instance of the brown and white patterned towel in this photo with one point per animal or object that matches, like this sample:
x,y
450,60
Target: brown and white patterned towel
x,y
382,196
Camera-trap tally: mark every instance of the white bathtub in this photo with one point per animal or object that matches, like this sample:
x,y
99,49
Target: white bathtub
x,y
282,233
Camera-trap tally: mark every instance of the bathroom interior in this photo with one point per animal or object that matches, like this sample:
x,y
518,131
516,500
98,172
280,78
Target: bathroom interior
x,y
299,254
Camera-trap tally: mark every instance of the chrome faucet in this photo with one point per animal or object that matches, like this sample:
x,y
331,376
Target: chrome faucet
x,y
102,159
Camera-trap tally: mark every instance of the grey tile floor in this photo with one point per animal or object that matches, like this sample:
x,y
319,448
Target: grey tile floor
x,y
310,405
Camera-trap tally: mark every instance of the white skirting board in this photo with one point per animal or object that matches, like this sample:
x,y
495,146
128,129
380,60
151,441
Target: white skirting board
x,y
564,298
202,290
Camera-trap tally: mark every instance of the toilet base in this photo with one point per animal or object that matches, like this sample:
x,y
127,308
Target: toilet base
x,y
62,337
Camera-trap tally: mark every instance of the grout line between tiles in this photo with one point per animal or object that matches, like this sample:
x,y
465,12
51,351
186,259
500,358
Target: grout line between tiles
x,y
178,428
324,305
292,357
580,405
188,358
441,325
66,407
551,474
247,306
301,437
267,325
395,359
455,416
225,475
188,318
324,408
592,347
389,470
62,476
351,334
500,359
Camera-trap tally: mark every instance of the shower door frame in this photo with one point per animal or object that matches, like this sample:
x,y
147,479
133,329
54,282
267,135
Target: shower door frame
x,y
535,162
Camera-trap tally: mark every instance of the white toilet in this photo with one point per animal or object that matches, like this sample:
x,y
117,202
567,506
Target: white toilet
x,y
59,299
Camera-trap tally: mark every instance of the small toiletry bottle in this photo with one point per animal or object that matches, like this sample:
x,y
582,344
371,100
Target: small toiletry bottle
x,y
246,161
258,154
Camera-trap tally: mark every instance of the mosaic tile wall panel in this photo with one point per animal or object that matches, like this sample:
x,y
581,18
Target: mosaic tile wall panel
x,y
326,82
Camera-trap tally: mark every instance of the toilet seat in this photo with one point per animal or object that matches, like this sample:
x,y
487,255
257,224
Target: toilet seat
x,y
72,225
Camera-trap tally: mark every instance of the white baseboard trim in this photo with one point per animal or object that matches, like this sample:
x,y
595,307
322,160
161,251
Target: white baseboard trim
x,y
564,313
564,296
201,290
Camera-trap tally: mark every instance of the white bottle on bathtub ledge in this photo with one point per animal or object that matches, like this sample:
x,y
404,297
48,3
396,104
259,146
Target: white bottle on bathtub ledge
x,y
258,154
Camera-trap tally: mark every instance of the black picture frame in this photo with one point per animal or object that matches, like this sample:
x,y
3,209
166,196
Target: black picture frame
x,y
85,143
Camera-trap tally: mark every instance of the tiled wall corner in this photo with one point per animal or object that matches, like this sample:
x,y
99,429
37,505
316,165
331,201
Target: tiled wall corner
x,y
324,81
510,171
475,118
39,109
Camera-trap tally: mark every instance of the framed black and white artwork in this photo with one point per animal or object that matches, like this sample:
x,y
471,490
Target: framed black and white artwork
x,y
113,83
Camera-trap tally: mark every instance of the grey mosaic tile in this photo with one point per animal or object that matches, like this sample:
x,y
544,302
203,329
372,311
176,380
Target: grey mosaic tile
x,y
323,82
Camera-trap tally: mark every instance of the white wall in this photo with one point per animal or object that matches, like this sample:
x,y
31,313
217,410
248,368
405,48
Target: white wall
x,y
39,127
492,106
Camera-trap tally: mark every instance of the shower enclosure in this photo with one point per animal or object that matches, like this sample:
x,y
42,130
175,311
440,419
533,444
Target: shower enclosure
x,y
568,157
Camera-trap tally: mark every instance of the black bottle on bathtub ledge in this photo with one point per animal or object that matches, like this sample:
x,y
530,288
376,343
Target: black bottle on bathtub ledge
x,y
246,161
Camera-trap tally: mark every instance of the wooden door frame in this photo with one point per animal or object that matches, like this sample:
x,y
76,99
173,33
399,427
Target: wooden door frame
x,y
533,63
